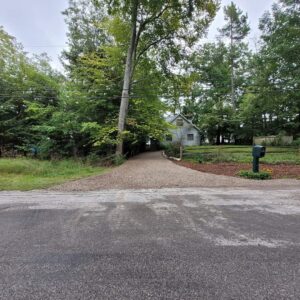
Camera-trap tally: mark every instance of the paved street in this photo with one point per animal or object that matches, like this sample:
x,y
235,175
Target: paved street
x,y
188,243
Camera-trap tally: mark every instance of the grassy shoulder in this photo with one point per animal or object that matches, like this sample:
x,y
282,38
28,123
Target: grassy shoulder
x,y
241,154
29,174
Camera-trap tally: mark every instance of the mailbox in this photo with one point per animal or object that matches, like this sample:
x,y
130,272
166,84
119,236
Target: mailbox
x,y
258,151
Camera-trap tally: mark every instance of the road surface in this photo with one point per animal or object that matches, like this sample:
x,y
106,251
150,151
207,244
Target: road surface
x,y
188,243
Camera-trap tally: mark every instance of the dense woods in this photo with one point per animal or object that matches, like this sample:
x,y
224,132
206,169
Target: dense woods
x,y
131,62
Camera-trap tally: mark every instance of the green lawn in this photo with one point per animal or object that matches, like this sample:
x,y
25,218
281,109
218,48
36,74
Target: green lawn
x,y
241,154
28,174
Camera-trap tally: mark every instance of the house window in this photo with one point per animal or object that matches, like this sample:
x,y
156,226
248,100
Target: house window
x,y
169,138
190,137
179,122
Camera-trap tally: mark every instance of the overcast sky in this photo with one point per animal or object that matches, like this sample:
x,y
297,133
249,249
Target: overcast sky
x,y
39,24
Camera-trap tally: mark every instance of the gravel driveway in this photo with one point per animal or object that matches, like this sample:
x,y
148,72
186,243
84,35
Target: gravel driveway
x,y
152,170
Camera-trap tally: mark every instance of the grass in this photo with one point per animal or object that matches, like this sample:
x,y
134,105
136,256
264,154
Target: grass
x,y
241,154
28,174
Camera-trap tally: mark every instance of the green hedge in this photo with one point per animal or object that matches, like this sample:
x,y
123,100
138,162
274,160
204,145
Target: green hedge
x,y
252,175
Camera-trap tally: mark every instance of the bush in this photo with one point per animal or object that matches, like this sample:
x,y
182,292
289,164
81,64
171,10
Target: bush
x,y
118,160
199,158
251,175
296,142
93,159
172,150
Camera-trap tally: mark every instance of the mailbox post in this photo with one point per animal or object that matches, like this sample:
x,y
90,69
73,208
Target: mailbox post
x,y
257,153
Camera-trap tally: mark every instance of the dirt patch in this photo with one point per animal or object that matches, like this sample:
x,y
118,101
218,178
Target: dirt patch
x,y
231,169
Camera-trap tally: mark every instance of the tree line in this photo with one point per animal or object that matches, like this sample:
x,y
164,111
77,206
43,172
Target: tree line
x,y
129,62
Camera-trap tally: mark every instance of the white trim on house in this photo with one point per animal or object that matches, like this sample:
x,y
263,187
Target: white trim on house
x,y
187,134
183,117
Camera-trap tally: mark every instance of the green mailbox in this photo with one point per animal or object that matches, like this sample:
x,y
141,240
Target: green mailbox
x,y
257,153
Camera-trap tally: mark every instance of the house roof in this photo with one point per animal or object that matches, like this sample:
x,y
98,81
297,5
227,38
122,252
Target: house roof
x,y
172,118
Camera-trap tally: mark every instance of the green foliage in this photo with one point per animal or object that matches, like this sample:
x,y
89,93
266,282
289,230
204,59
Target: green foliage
x,y
211,108
118,160
199,158
237,95
296,143
96,68
252,175
273,102
237,26
172,149
29,95
160,33
230,93
235,29
93,159
28,174
241,154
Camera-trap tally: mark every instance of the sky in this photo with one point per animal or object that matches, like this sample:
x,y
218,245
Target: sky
x,y
40,27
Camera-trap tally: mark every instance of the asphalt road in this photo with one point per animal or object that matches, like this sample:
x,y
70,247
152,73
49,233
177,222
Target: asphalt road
x,y
151,244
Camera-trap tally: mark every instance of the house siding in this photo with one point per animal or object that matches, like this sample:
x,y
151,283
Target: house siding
x,y
180,134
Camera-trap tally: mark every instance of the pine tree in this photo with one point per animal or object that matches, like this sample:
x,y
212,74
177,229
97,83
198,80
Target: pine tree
x,y
236,29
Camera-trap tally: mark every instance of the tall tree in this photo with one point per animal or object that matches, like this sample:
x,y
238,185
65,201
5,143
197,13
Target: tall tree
x,y
210,101
236,29
281,55
26,84
96,75
160,27
272,102
85,34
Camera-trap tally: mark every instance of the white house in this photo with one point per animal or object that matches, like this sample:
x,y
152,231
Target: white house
x,y
185,132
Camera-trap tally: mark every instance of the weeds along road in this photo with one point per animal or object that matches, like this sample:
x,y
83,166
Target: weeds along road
x,y
188,243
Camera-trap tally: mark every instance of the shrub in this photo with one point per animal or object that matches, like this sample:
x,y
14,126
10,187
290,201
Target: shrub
x,y
199,158
173,150
93,159
118,160
296,142
251,175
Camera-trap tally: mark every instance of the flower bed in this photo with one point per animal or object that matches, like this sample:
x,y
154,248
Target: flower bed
x,y
232,169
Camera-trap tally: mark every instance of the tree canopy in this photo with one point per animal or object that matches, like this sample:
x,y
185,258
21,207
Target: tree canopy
x,y
130,62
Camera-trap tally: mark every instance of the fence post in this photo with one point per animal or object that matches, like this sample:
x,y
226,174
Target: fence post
x,y
181,152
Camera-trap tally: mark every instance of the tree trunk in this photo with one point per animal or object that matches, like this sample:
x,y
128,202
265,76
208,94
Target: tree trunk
x,y
218,141
232,85
232,67
127,78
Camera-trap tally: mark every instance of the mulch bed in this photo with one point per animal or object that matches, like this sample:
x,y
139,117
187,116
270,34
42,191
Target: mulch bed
x,y
231,169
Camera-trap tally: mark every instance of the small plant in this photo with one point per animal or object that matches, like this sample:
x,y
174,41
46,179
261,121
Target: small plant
x,y
267,170
296,142
199,158
118,160
251,175
173,150
92,159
